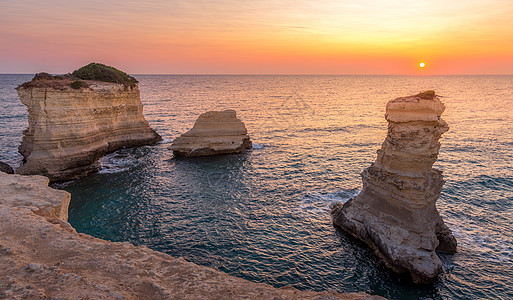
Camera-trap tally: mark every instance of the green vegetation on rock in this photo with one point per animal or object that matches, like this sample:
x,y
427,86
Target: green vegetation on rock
x,y
76,80
427,95
45,80
43,76
78,84
101,72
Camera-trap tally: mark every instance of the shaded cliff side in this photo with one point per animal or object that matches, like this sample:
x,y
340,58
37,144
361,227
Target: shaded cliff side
x,y
70,126
395,212
43,257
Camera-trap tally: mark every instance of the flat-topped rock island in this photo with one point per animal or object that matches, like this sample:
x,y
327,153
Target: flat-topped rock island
x,y
215,132
75,119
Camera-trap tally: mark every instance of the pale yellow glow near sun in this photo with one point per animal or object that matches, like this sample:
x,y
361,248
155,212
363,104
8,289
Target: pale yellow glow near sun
x,y
422,65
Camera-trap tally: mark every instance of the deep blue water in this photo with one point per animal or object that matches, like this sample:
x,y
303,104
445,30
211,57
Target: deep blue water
x,y
264,215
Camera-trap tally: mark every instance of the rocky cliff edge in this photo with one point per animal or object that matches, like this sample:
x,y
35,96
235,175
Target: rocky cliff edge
x,y
43,257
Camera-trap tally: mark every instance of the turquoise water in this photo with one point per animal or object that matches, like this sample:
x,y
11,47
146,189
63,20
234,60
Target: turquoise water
x,y
264,215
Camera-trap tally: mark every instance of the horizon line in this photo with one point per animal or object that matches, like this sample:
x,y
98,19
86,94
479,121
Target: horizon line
x,y
284,74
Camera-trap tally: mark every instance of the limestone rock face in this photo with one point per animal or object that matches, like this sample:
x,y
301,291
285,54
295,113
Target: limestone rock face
x,y
215,132
70,129
395,212
32,192
43,257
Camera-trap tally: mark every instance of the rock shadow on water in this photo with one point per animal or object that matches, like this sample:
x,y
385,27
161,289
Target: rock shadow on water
x,y
219,176
370,270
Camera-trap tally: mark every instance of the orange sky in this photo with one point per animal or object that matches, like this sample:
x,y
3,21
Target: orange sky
x,y
259,37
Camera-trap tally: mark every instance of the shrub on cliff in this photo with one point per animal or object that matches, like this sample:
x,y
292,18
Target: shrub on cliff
x,y
101,72
47,80
43,76
427,95
78,84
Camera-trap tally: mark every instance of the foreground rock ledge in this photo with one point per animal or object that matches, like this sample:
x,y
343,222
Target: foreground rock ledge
x,y
215,132
42,256
395,212
69,129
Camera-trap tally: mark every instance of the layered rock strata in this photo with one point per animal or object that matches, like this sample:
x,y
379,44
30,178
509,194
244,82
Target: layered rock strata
x,y
71,128
215,132
43,257
395,212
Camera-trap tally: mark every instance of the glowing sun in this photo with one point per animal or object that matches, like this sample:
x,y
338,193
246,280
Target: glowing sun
x,y
422,65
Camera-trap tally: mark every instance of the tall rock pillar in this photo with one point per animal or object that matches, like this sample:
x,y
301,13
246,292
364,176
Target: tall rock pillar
x,y
395,212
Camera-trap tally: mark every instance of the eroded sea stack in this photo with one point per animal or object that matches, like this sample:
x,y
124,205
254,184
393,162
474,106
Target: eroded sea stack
x,y
395,212
215,132
77,118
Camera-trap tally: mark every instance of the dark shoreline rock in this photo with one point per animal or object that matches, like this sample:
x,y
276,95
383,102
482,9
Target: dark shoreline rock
x,y
6,168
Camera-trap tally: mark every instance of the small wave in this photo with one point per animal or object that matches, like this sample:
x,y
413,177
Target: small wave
x,y
320,203
165,141
19,116
61,184
494,182
260,146
326,129
116,162
484,243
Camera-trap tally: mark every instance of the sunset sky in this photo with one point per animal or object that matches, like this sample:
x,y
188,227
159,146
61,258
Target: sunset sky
x,y
259,37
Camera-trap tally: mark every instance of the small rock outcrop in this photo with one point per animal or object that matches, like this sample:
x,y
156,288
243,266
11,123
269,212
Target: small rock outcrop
x,y
73,122
32,192
395,212
215,132
43,257
6,168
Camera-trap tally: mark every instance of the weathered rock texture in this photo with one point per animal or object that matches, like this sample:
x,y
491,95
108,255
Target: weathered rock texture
x,y
43,257
395,212
32,192
215,132
70,129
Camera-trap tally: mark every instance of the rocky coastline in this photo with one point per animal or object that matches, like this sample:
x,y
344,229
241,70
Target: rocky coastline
x,y
43,257
73,123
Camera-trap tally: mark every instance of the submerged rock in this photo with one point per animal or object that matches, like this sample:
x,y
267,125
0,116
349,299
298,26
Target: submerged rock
x,y
395,212
6,168
72,123
215,132
43,257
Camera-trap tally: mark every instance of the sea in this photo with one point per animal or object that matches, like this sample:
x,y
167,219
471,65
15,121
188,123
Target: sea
x,y
265,215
